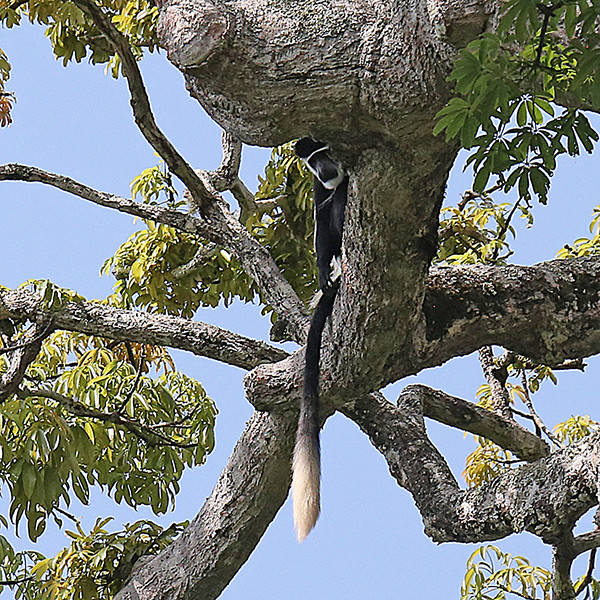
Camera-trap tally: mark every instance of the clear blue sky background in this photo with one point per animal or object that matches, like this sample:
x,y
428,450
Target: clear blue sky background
x,y
369,541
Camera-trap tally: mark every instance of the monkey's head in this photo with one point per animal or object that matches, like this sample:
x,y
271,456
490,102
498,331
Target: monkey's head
x,y
306,146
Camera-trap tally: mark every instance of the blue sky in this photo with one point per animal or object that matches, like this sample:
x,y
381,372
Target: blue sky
x,y
369,541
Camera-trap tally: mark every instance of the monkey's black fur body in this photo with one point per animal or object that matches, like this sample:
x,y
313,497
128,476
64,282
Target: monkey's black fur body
x,y
330,194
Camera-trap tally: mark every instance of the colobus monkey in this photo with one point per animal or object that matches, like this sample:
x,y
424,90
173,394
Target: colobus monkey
x,y
330,193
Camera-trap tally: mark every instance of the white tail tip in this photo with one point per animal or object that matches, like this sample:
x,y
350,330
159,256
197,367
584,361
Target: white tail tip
x,y
305,486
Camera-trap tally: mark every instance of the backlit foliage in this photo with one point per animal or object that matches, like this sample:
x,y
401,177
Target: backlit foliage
x,y
496,575
506,83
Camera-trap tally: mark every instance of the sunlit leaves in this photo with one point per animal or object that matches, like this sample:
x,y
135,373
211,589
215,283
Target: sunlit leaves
x,y
88,415
575,428
52,296
151,273
495,575
73,35
585,246
485,462
153,182
477,231
96,564
505,84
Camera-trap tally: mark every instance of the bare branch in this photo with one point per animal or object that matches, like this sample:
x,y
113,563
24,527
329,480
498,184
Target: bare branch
x,y
220,227
586,541
549,312
22,357
128,325
141,105
467,416
534,416
203,253
565,482
588,576
567,365
227,172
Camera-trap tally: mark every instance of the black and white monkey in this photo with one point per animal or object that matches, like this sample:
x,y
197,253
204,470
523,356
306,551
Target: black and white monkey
x,y
330,193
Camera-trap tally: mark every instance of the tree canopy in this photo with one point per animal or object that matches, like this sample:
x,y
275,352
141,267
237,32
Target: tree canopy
x,y
91,393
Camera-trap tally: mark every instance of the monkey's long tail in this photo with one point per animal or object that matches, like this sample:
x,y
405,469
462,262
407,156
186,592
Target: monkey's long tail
x,y
306,469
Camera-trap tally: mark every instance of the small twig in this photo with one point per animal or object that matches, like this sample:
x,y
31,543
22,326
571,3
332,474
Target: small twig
x,y
66,514
536,418
136,382
77,408
567,365
504,228
140,104
521,414
548,11
588,576
40,336
16,581
192,265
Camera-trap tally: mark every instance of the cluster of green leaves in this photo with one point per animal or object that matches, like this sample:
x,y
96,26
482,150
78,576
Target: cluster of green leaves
x,y
575,428
154,182
96,564
52,296
286,228
91,414
487,461
495,575
150,267
16,567
147,277
476,231
505,84
74,36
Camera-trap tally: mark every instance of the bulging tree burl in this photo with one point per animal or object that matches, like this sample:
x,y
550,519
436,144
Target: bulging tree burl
x,y
395,89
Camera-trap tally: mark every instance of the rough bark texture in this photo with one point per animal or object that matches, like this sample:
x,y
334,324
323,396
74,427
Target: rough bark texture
x,y
343,70
250,491
545,498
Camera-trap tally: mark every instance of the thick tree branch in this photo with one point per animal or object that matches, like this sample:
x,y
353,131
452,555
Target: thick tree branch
x,y
549,312
250,491
565,482
586,541
226,177
562,560
128,325
220,227
467,416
